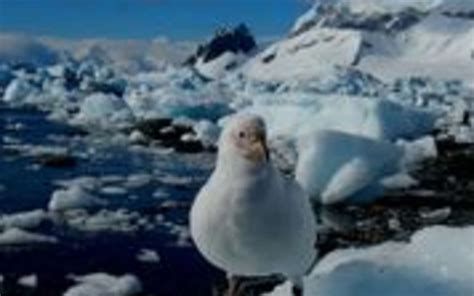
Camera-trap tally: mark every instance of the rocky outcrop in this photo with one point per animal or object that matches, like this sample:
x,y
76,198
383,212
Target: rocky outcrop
x,y
238,40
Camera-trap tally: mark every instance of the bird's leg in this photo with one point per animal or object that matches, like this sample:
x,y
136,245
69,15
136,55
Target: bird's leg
x,y
234,286
297,287
296,291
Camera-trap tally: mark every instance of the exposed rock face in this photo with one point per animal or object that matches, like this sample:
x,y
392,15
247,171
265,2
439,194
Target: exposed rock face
x,y
341,17
238,40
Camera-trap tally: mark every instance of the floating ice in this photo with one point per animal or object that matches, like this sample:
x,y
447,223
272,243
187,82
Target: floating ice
x,y
74,197
148,256
102,284
24,220
17,236
29,281
121,220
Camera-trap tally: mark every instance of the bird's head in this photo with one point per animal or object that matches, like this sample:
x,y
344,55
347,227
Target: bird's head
x,y
245,136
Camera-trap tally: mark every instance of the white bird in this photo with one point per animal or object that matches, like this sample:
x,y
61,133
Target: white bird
x,y
248,219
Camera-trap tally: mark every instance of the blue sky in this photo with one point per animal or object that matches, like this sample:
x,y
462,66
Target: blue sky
x,y
143,19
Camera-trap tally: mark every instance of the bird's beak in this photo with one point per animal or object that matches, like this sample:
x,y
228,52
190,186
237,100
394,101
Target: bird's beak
x,y
260,148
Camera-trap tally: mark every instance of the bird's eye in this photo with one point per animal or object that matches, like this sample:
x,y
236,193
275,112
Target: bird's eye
x,y
241,134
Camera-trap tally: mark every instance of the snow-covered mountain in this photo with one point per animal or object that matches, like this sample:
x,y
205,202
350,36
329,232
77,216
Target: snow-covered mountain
x,y
225,52
388,45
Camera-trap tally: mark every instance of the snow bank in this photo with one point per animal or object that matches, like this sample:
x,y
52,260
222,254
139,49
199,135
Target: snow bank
x,y
438,261
102,284
307,56
334,166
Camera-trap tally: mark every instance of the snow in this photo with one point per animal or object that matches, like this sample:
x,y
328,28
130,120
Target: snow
x,y
74,197
334,166
307,56
438,261
439,47
102,284
217,68
17,236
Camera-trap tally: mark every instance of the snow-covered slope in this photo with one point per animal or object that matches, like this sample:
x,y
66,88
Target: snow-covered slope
x,y
440,47
435,45
306,56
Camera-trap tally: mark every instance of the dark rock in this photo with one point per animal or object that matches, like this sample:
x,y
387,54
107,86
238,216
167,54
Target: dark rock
x,y
115,87
341,17
56,161
152,127
238,40
170,135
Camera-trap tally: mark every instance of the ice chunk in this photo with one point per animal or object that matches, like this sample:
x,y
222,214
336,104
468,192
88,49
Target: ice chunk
x,y
29,281
334,166
17,236
290,115
427,266
418,150
121,220
102,284
25,220
74,197
207,132
104,109
18,91
148,256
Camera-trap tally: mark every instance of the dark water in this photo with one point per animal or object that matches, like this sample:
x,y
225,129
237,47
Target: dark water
x,y
28,186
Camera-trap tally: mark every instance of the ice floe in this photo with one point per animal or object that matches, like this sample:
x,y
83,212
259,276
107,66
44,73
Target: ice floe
x,y
74,197
148,256
102,284
19,237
